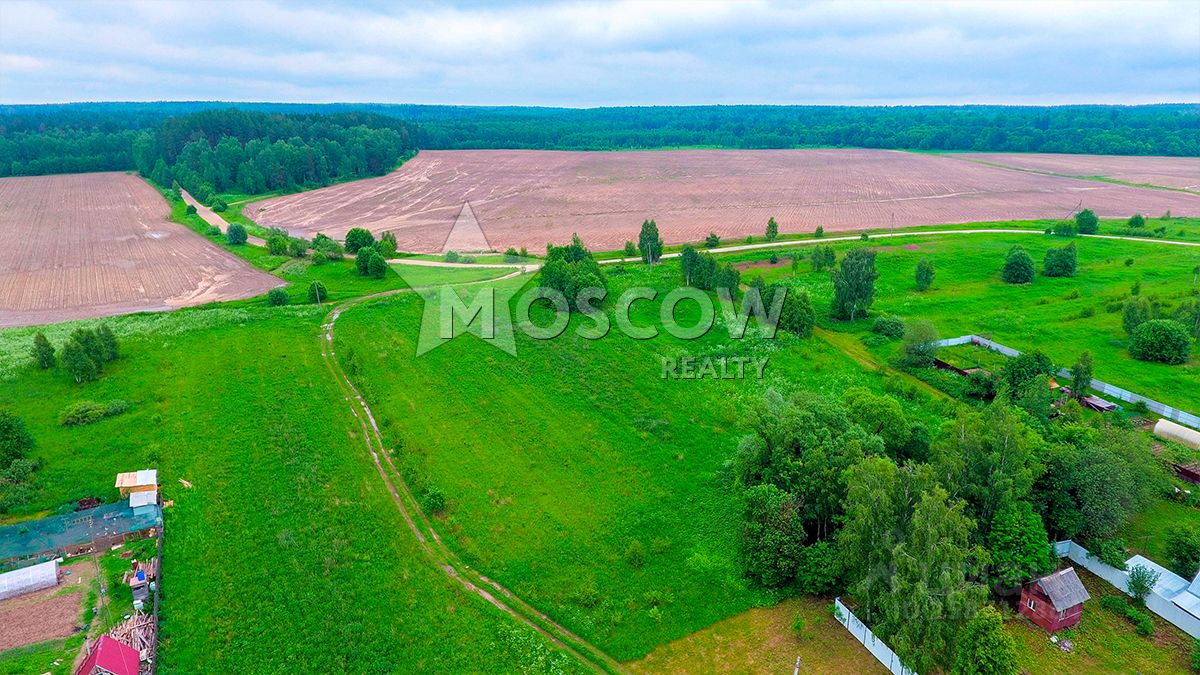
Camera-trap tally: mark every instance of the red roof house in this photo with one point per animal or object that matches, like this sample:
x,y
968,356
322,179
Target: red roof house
x,y
110,657
1054,602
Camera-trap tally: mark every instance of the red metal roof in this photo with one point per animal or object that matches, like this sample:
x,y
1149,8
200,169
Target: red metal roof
x,y
111,656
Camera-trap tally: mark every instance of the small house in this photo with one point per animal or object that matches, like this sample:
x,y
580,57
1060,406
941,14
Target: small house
x,y
109,656
137,481
1055,601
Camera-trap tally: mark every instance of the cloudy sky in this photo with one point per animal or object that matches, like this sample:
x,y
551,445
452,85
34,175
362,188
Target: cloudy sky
x,y
586,53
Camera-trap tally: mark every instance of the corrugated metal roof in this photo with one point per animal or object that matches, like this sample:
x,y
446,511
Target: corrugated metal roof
x,y
1064,589
1169,584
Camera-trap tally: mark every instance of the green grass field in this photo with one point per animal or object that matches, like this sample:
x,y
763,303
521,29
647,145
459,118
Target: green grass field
x,y
560,461
1051,314
288,552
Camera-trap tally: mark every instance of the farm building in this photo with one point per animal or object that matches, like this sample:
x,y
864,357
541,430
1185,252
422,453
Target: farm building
x,y
1168,430
130,482
28,579
77,533
1055,601
110,657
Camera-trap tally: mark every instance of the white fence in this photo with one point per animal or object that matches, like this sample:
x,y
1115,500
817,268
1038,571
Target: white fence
x,y
1161,409
877,647
1155,602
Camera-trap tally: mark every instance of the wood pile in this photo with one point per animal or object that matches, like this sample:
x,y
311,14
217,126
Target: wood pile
x,y
139,632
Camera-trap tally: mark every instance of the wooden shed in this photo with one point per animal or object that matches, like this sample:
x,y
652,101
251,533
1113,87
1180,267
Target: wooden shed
x,y
137,481
1055,601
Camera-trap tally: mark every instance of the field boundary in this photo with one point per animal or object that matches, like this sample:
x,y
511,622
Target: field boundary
x,y
1161,409
878,648
502,598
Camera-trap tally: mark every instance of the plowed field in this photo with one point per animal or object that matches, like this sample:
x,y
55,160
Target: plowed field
x,y
86,245
524,197
1175,172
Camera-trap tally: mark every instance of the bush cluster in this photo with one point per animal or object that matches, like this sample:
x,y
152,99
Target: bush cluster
x,y
87,412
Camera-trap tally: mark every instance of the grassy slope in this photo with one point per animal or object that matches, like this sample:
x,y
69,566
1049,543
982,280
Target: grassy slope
x,y
556,461
288,552
969,297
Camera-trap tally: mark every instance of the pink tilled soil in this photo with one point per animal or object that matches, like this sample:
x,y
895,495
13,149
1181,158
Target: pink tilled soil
x,y
1174,172
528,197
98,244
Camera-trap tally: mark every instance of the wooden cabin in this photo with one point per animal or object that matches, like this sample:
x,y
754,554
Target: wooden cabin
x,y
1055,601
137,481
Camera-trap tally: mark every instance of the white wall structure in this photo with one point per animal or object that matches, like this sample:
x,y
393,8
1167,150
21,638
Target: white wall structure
x,y
28,579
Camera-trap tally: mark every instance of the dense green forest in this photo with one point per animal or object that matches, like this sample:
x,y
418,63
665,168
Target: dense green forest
x,y
256,147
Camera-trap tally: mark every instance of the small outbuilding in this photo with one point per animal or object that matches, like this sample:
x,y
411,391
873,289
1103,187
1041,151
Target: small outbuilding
x,y
137,481
28,579
109,656
1055,601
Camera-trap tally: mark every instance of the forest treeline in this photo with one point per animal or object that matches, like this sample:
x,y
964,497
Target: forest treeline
x,y
256,147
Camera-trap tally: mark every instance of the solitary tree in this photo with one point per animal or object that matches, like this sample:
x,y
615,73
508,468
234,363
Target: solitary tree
x,y
712,240
920,344
1081,375
1161,340
1018,266
317,293
1137,221
854,284
43,351
1141,581
772,229
376,266
925,274
1087,222
277,244
277,297
358,238
985,648
236,234
823,258
15,441
1060,262
650,245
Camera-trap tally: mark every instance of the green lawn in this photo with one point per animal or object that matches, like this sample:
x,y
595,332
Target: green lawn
x,y
1147,532
968,296
288,552
1103,641
559,462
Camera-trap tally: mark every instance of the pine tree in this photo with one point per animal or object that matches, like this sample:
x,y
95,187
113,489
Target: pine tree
x,y
1019,546
43,351
772,229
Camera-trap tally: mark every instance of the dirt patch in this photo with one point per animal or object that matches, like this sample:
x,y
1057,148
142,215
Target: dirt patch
x,y
528,197
98,244
1175,172
47,614
762,264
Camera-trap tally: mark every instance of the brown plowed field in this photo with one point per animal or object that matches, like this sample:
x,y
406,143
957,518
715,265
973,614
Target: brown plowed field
x,y
98,244
1174,172
528,197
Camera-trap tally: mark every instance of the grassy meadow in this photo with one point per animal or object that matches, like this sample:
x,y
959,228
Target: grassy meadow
x,y
575,474
288,552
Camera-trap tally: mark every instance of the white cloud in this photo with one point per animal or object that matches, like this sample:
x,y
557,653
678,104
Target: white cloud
x,y
581,53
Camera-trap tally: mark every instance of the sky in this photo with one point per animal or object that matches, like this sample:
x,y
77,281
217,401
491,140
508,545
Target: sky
x,y
585,54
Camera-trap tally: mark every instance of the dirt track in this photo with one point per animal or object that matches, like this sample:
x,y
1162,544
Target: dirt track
x,y
87,245
529,198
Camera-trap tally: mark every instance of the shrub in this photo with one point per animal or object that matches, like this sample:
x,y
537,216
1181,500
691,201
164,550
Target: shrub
x,y
277,297
316,292
87,412
1183,550
358,238
1110,552
1134,312
888,326
819,232
277,245
388,245
630,249
297,247
451,257
511,256
772,229
1060,262
218,205
635,554
798,623
1114,604
434,501
1018,266
863,237
1086,222
823,258
774,258
15,441
190,210
925,272
796,316
362,261
1065,228
1142,624
236,234
327,246
1137,222
214,231
1141,581
376,266
1129,262
985,648
1162,341
319,258
712,240
920,344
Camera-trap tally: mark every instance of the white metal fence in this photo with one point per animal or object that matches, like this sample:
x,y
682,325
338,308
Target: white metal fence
x,y
877,647
1155,602
1161,409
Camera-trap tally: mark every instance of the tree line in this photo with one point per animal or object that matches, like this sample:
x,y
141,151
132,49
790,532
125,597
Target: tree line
x,y
307,145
